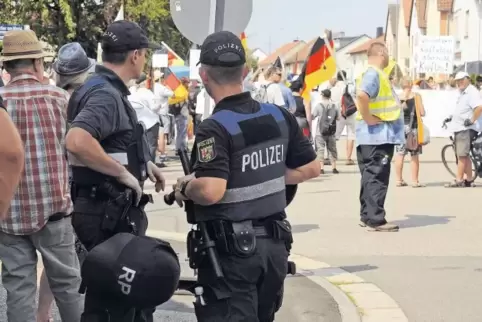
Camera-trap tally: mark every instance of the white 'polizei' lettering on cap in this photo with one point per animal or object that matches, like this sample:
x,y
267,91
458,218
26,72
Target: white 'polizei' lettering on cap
x,y
126,279
110,35
226,46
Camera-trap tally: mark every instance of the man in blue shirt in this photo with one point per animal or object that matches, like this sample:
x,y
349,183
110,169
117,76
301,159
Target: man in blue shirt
x,y
375,141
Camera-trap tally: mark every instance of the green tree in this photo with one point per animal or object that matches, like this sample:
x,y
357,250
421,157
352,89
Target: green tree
x,y
61,21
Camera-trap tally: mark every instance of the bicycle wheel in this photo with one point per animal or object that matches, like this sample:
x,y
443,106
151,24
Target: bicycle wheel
x,y
475,173
448,154
450,161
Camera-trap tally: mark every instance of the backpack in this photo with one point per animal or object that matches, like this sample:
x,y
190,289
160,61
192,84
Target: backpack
x,y
261,94
348,104
327,121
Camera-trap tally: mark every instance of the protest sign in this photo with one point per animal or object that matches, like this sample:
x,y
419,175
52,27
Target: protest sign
x,y
435,54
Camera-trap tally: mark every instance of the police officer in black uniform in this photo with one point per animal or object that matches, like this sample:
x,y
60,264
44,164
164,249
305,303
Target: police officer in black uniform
x,y
244,155
109,156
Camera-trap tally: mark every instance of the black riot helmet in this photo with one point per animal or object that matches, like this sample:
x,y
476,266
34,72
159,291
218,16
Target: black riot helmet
x,y
139,271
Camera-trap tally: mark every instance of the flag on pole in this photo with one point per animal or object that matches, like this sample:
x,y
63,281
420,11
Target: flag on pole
x,y
172,56
99,53
120,14
244,41
171,81
278,63
320,66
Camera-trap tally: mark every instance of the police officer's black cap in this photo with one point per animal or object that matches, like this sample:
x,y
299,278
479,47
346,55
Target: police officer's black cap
x,y
223,49
123,36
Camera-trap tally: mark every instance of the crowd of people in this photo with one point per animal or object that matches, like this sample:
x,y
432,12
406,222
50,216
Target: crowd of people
x,y
38,217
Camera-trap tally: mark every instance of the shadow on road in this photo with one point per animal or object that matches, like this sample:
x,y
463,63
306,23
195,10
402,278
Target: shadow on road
x,y
303,228
413,221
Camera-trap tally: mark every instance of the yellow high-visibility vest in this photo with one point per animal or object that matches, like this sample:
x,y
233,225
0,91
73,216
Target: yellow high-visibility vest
x,y
384,105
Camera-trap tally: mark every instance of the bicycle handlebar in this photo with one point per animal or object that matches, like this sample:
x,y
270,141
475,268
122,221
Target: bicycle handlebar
x,y
444,124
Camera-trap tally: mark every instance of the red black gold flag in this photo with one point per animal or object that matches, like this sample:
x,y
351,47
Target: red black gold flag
x,y
172,56
171,81
244,41
320,66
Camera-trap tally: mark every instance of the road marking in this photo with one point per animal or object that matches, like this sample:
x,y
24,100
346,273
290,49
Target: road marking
x,y
358,301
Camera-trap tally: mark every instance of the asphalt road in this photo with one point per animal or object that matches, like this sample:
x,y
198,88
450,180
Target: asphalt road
x,y
432,267
304,301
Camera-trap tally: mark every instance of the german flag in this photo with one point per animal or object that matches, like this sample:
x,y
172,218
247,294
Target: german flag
x,y
171,54
319,67
244,41
171,81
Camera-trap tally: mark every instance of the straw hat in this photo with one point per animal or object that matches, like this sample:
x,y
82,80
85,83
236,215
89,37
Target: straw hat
x,y
22,44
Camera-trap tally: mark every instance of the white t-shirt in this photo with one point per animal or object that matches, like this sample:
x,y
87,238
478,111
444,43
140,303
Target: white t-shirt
x,y
467,101
315,99
162,94
275,95
337,92
142,100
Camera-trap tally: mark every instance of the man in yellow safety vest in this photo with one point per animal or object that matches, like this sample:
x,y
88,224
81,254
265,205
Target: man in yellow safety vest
x,y
379,128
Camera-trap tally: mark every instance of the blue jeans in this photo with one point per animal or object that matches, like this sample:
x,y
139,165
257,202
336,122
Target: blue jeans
x,y
181,132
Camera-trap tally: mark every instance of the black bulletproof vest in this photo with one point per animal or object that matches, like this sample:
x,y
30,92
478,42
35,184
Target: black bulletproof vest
x,y
256,184
137,150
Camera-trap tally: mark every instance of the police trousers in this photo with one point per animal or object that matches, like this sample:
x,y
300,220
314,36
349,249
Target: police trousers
x,y
252,287
87,224
374,163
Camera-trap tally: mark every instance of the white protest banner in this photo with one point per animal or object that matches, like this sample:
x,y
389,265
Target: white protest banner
x,y
194,56
435,54
160,61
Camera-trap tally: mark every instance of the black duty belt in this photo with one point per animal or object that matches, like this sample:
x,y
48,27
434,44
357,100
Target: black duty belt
x,y
58,216
261,231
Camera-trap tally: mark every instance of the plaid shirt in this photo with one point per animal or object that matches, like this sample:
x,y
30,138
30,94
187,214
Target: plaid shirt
x,y
39,113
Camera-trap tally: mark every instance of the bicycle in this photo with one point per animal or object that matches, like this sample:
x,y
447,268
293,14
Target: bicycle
x,y
451,147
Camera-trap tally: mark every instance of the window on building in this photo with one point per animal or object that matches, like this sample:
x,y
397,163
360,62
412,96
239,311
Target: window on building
x,y
455,30
466,24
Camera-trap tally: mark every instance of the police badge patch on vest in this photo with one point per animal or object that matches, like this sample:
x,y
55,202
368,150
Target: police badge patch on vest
x,y
206,150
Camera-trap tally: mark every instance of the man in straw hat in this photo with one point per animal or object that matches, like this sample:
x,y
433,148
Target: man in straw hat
x,y
39,215
11,159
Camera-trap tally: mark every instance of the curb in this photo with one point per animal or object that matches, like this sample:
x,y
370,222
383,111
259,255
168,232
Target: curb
x,y
358,301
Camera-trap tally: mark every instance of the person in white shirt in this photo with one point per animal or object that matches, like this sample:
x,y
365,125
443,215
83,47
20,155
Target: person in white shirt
x,y
347,122
463,121
273,91
143,102
162,94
